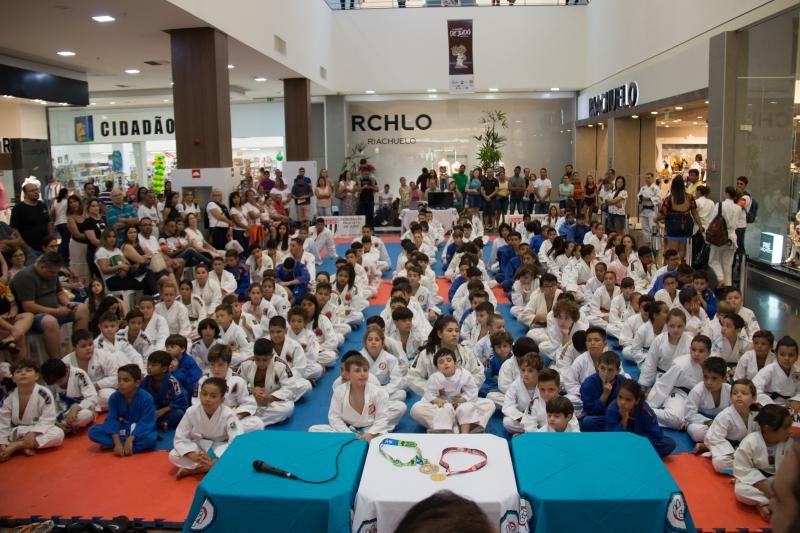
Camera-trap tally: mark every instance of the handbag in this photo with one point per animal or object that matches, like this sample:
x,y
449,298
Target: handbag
x,y
157,263
717,231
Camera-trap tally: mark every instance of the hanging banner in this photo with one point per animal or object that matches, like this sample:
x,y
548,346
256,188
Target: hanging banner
x,y
460,54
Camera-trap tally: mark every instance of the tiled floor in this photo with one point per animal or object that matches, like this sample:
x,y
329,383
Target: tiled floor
x,y
775,312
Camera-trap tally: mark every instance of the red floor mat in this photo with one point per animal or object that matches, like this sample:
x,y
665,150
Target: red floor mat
x,y
710,495
500,294
77,480
444,286
383,294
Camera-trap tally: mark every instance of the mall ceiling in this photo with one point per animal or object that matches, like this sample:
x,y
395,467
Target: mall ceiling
x,y
36,30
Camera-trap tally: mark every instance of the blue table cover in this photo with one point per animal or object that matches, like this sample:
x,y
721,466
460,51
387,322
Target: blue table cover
x,y
597,482
234,497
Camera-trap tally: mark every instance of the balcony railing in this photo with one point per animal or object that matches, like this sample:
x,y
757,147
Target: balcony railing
x,y
388,4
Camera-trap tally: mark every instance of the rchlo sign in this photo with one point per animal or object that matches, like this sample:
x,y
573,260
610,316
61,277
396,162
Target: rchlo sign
x,y
622,97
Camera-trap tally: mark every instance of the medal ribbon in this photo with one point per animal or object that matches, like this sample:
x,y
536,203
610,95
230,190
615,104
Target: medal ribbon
x,y
471,451
418,459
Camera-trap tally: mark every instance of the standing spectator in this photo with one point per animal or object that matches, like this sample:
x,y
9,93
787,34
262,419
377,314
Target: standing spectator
x,y
265,181
489,186
617,201
565,190
543,188
89,191
218,221
649,200
170,210
693,182
578,193
50,191
238,219
473,189
746,202
605,191
503,193
422,180
149,209
324,194
414,196
77,241
721,257
187,206
590,197
253,211
516,187
461,179
60,221
404,193
31,219
678,210
458,199
92,228
105,195
385,200
346,192
367,187
301,194
119,215
706,208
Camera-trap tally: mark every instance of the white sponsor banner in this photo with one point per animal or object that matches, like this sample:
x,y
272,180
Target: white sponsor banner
x,y
345,226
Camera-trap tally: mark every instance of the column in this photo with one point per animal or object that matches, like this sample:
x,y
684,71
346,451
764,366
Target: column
x,y
335,134
201,97
297,114
722,56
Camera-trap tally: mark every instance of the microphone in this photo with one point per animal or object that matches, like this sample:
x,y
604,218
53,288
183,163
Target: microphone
x,y
264,468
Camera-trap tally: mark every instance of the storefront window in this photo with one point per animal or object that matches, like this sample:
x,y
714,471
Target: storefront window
x,y
766,129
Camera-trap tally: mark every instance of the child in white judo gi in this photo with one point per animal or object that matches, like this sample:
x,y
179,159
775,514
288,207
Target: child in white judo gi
x,y
519,398
205,431
208,330
779,382
621,308
133,333
100,367
358,405
760,356
287,348
706,400
730,426
600,303
450,394
322,328
560,413
176,314
232,334
28,415
109,345
734,297
155,326
759,457
307,340
673,342
76,398
382,364
733,341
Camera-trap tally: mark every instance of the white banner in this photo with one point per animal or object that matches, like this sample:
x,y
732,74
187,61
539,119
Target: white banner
x,y
345,226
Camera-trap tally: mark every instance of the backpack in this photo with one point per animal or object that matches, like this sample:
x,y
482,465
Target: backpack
x,y
753,213
717,231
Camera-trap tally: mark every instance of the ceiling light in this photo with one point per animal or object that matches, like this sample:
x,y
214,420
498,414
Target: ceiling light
x,y
554,89
493,89
695,123
634,116
676,120
678,108
63,103
591,126
599,123
667,126
166,100
42,102
112,103
773,102
706,101
132,71
93,103
259,78
103,18
431,90
7,96
370,91
66,53
231,66
654,112
700,118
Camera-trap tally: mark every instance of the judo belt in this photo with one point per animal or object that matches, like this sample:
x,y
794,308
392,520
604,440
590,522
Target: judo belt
x,y
660,371
418,459
776,395
471,451
684,389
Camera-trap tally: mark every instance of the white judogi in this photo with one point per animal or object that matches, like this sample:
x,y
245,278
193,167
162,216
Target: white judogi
x,y
414,343
537,305
79,390
748,365
538,418
517,406
374,418
520,296
386,368
102,370
701,408
600,306
39,417
423,367
236,338
419,321
509,373
330,311
211,294
447,417
640,346
775,385
394,347
119,350
200,352
199,432
239,399
197,311
661,356
226,281
569,429
668,395
177,317
618,313
351,304
643,277
599,244
293,353
722,348
713,329
750,321
662,295
629,327
752,464
557,348
262,313
728,426
308,343
157,330
141,343
322,240
250,325
327,341
279,302
278,382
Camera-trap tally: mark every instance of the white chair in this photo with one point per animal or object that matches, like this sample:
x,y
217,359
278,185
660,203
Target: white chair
x,y
127,296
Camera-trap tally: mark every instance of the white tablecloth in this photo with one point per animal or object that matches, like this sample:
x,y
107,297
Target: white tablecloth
x,y
445,217
387,492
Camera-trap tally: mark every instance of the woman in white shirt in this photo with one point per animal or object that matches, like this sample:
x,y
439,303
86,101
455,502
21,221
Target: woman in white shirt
x,y
117,272
721,257
616,205
218,221
252,211
196,238
59,216
706,207
238,219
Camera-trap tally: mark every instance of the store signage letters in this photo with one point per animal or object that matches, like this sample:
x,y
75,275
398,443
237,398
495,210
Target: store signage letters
x,y
618,98
5,145
122,128
389,123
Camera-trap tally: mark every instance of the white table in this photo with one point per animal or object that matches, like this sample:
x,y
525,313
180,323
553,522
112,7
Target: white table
x,y
387,492
445,217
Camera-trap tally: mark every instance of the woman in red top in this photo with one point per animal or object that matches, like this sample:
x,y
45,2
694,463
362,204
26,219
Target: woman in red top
x,y
578,194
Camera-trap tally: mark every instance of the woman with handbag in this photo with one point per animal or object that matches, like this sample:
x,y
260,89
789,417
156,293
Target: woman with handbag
x,y
144,260
721,236
679,213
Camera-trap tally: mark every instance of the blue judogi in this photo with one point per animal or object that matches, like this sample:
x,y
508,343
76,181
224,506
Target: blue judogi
x,y
170,394
459,281
137,418
242,277
504,255
509,270
536,243
490,374
643,423
300,273
593,408
188,373
452,248
711,302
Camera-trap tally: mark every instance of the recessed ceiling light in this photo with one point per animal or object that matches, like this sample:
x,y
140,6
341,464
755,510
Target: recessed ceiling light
x,y
654,112
678,108
634,116
166,100
370,91
7,96
112,103
700,118
93,103
259,78
42,102
554,89
431,90
132,71
706,101
667,126
773,102
231,66
103,18
676,120
695,123
493,89
591,126
599,123
63,103
66,53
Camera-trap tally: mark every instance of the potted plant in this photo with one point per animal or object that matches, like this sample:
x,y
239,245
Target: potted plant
x,y
491,140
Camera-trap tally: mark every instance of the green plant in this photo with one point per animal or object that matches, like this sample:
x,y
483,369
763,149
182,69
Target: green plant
x,y
491,140
352,159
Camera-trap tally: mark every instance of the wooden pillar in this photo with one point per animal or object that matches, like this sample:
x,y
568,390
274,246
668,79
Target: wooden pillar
x,y
201,97
297,115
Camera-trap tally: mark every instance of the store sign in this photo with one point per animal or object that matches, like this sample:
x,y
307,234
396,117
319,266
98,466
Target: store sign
x,y
621,97
196,174
771,249
387,123
5,145
122,127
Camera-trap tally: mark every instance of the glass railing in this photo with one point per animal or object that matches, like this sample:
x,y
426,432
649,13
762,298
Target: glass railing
x,y
388,4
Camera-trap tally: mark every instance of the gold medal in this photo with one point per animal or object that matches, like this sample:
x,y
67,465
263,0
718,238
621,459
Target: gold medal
x,y
428,469
438,477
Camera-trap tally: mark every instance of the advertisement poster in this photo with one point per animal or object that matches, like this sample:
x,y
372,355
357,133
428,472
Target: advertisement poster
x,y
460,56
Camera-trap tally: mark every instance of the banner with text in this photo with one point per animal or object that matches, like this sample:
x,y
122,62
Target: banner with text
x,y
460,56
345,226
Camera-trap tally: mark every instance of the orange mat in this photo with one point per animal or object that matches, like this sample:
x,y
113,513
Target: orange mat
x,y
444,286
500,294
78,480
383,294
710,495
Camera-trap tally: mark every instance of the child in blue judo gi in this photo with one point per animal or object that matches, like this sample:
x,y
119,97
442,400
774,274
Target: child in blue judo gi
x,y
631,413
599,390
130,426
183,367
170,397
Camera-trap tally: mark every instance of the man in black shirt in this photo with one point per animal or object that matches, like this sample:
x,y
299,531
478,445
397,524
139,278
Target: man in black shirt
x,y
422,180
491,204
367,187
31,218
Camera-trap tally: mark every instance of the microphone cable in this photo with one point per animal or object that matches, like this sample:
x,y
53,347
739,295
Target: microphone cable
x,y
336,474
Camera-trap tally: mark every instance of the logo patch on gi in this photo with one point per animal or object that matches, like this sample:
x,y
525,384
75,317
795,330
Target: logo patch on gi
x,y
382,365
46,396
676,513
368,526
232,425
509,522
205,516
371,409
